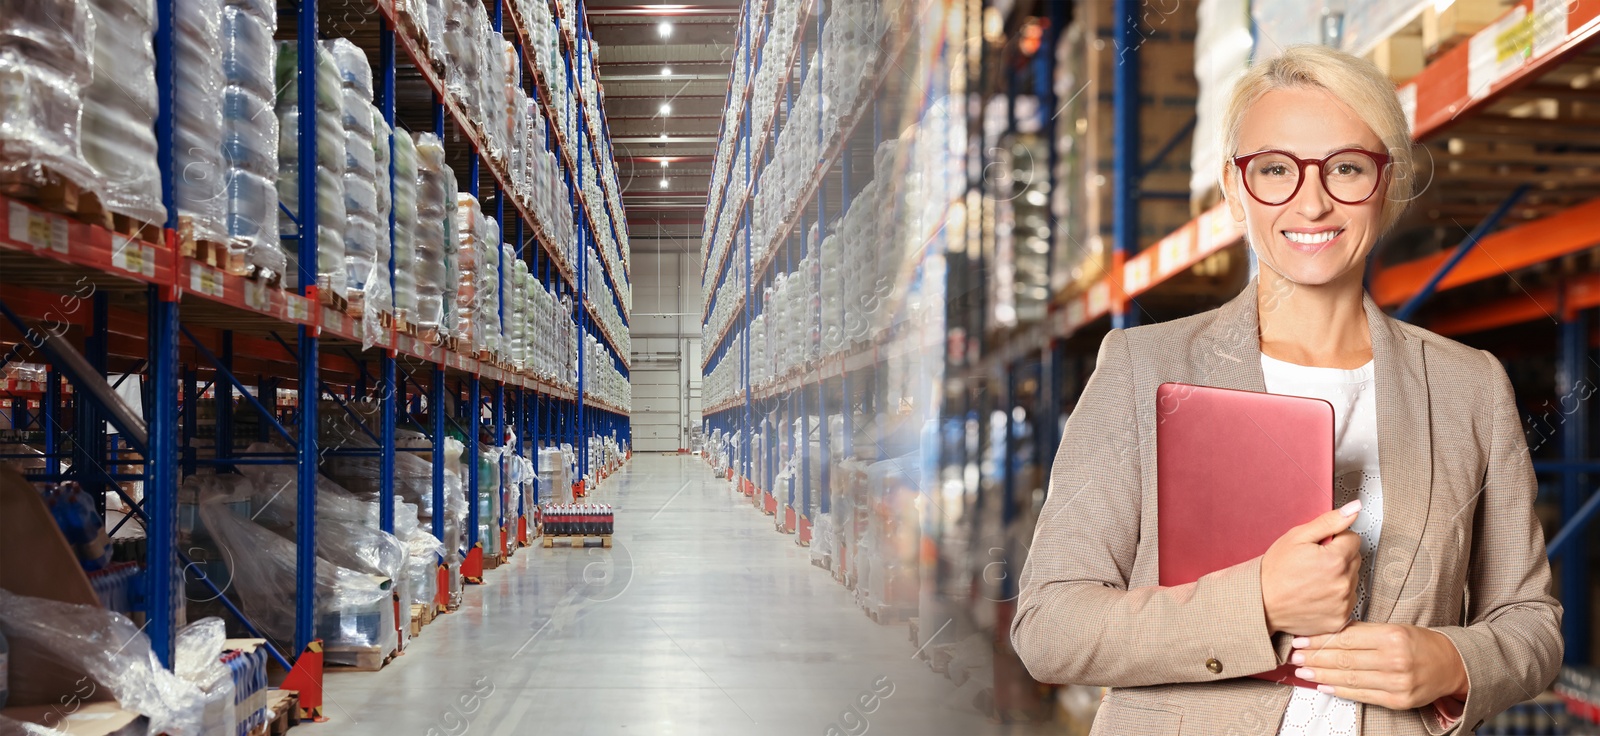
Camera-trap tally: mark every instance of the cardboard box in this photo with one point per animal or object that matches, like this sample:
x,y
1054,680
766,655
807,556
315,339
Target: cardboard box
x,y
88,719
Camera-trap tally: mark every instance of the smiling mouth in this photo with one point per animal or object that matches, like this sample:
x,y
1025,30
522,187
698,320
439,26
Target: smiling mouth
x,y
1312,239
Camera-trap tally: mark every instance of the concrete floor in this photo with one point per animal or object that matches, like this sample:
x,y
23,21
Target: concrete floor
x,y
701,620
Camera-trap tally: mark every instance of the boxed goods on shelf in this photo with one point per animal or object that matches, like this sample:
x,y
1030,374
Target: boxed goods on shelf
x,y
477,294
119,142
45,66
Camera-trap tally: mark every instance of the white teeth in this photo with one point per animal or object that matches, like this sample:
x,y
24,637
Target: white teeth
x,y
1311,238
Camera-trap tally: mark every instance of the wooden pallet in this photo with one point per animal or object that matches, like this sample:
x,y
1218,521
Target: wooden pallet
x,y
405,326
367,659
61,196
333,301
283,711
421,615
576,540
886,615
137,229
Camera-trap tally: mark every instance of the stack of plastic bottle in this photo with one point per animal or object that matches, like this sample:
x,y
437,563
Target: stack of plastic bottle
x,y
578,519
405,218
360,168
433,235
250,136
330,267
516,315
201,179
248,669
119,108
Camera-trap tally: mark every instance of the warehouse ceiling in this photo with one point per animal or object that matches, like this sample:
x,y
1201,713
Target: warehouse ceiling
x,y
664,68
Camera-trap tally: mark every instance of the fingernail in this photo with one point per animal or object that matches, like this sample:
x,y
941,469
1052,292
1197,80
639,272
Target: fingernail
x,y
1297,658
1301,642
1352,508
1325,689
1305,673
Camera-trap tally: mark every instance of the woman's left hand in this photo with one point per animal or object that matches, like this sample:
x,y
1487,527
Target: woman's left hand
x,y
1397,666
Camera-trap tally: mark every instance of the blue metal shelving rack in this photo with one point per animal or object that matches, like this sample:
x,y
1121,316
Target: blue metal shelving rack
x,y
411,378
763,416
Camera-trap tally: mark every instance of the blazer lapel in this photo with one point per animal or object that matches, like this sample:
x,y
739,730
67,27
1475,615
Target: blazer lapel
x,y
1405,456
1231,358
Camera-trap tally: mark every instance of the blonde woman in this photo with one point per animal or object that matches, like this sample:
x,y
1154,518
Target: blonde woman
x,y
1427,610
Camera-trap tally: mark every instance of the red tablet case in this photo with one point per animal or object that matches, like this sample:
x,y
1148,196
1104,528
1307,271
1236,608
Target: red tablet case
x,y
1234,471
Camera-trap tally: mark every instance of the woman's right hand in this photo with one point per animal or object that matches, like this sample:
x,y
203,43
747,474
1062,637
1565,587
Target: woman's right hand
x,y
1308,585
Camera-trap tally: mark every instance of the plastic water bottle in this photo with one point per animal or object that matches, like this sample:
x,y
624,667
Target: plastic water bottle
x,y
5,669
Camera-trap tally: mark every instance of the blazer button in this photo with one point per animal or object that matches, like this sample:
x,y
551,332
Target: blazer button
x,y
1214,665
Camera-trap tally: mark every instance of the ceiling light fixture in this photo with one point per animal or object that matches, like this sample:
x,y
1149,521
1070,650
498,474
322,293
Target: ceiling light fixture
x,y
663,136
666,108
664,29
666,71
663,163
663,183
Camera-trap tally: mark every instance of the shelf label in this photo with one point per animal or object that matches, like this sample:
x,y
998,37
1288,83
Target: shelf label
x,y
42,231
1500,49
1135,275
256,296
133,256
206,280
333,320
1173,253
297,308
126,254
1099,298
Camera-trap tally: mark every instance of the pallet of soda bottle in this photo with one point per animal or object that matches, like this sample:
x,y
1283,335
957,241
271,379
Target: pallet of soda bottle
x,y
576,523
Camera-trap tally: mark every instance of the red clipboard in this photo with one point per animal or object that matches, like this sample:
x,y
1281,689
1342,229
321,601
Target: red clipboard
x,y
1234,471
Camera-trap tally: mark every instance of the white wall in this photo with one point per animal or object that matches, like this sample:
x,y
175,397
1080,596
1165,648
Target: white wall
x,y
665,329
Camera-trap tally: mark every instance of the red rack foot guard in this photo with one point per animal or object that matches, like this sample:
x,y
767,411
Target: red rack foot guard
x,y
306,678
771,503
441,596
522,530
788,519
472,566
804,539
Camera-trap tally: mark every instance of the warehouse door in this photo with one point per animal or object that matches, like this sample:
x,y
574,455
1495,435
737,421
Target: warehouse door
x,y
658,410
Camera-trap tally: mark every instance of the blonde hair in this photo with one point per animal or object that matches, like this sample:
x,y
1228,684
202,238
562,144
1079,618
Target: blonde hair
x,y
1354,81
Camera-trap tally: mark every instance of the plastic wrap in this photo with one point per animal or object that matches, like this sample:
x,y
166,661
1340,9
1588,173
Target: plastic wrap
x,y
433,234
40,124
119,108
350,605
250,137
198,659
378,296
201,187
405,218
46,636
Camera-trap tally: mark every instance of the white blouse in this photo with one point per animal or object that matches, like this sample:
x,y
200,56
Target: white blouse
x,y
1355,472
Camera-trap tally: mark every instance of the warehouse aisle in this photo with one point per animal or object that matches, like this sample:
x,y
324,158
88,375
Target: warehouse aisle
x,y
701,620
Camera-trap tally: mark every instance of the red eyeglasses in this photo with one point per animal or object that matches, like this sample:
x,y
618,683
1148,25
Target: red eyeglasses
x,y
1349,176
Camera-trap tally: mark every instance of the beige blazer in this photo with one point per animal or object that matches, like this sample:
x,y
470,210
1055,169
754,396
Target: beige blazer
x,y
1461,550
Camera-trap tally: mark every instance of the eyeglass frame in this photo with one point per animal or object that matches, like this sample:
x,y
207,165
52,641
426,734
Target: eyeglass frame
x,y
1383,160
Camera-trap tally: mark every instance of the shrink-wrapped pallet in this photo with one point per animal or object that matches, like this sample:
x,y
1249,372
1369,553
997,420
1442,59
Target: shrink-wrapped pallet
x,y
200,189
119,108
433,235
330,159
250,139
379,299
361,227
405,219
45,67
